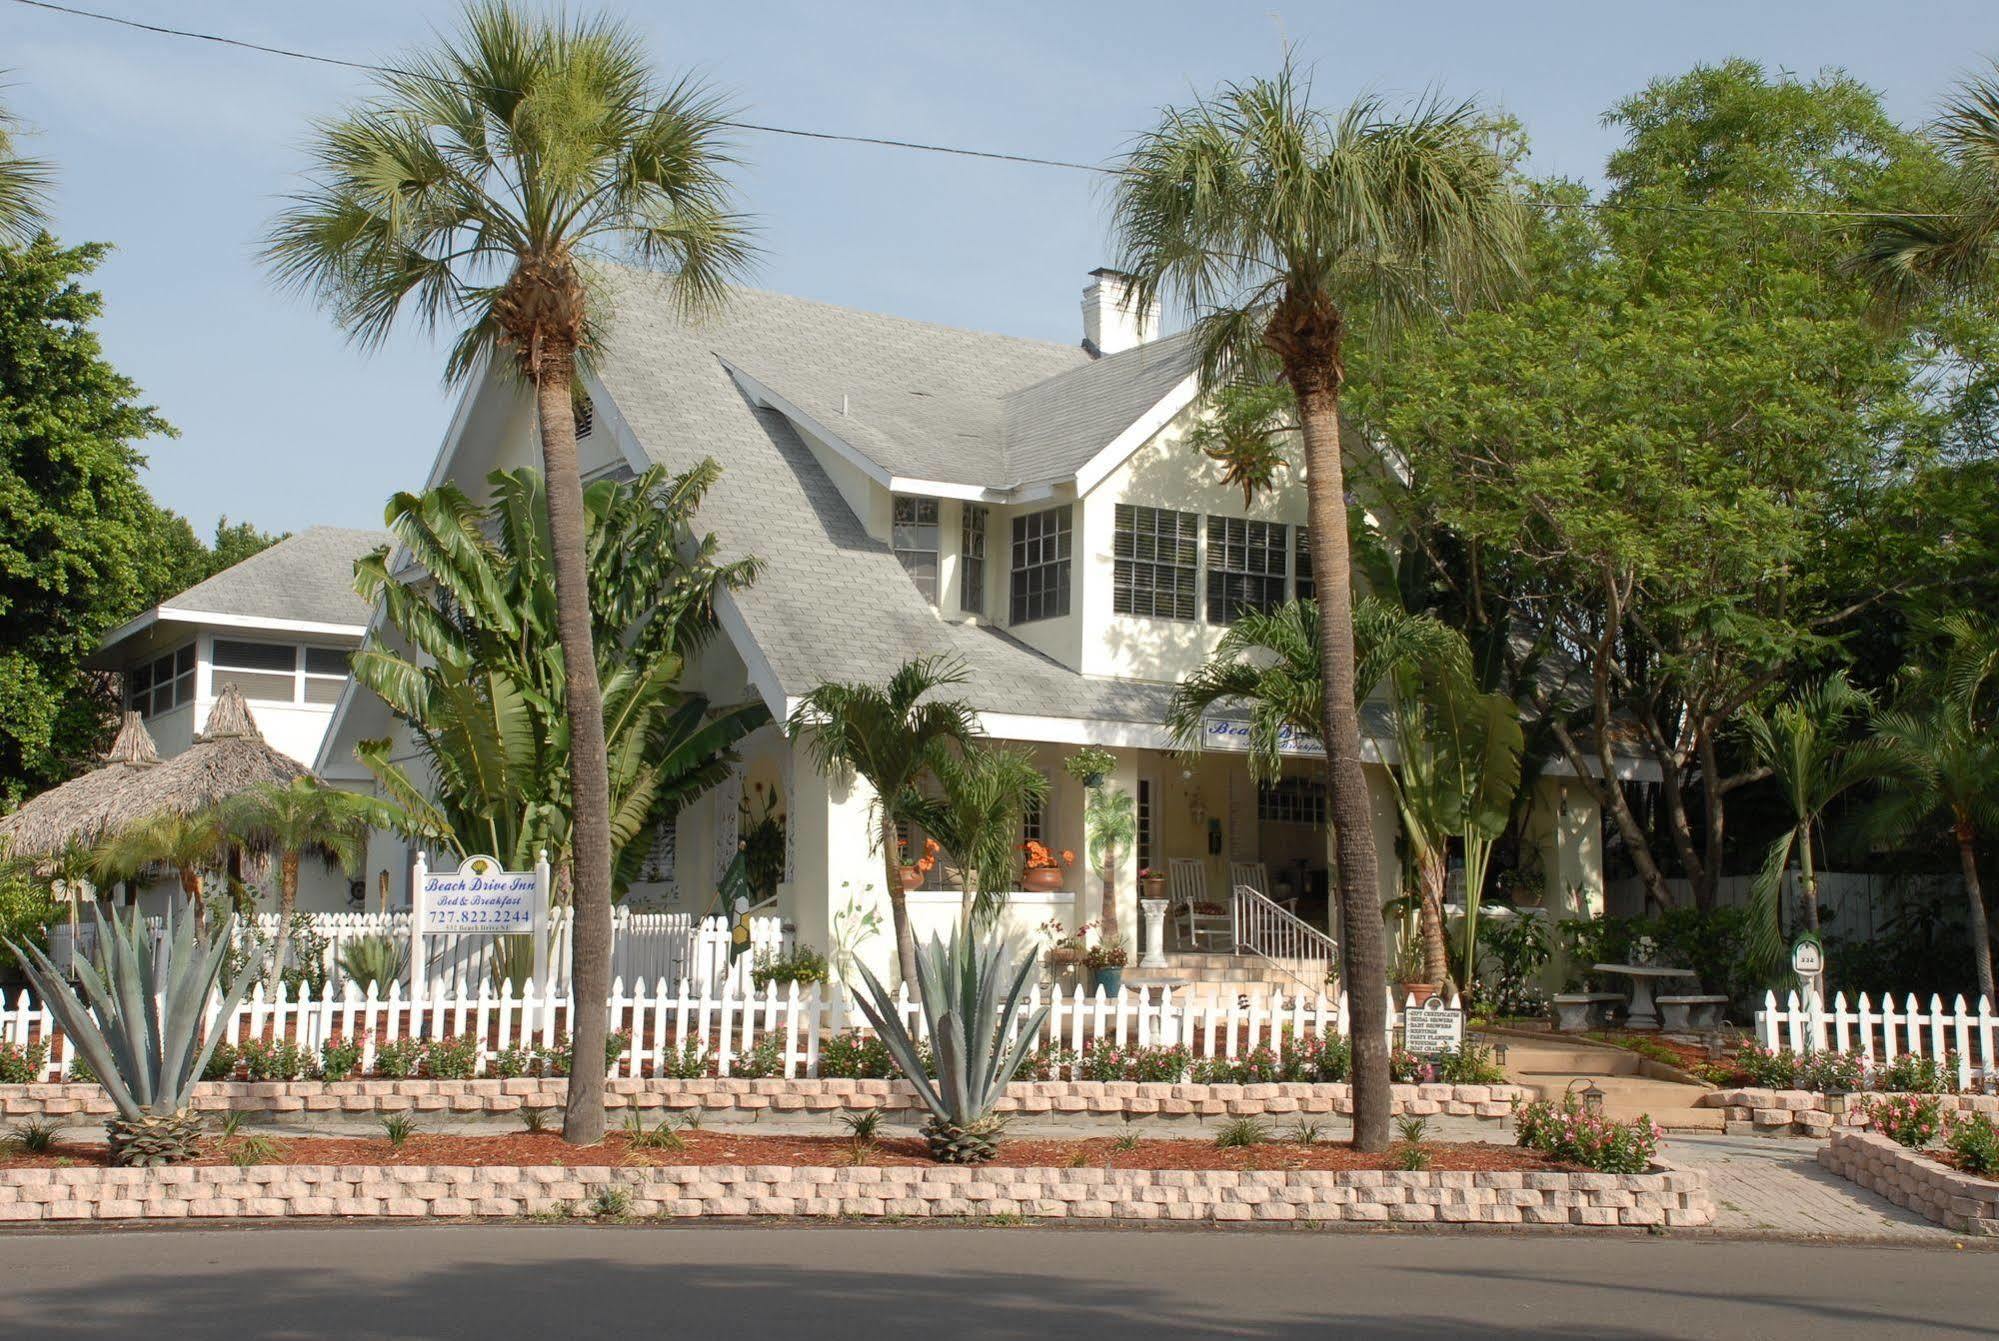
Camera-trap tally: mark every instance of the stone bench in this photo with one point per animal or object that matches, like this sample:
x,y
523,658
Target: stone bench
x,y
1684,1014
1577,1011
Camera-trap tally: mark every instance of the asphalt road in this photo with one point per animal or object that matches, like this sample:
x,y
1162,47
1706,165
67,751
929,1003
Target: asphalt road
x,y
946,1283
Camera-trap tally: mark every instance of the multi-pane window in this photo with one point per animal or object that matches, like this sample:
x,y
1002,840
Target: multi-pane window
x,y
1144,818
162,684
1041,547
1031,826
1301,547
1153,552
1246,567
1293,801
972,560
914,540
280,672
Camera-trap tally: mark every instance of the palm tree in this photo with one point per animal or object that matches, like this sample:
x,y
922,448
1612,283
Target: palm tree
x,y
304,818
888,735
1951,248
1110,818
24,187
473,190
982,794
1278,227
1806,743
192,843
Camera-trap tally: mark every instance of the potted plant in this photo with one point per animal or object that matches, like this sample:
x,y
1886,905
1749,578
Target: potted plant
x,y
1106,960
913,873
1066,949
1409,976
1042,869
1151,883
1090,765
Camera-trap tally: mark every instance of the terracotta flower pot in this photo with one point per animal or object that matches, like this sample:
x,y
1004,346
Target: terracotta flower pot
x,y
1420,991
1041,879
1154,886
911,878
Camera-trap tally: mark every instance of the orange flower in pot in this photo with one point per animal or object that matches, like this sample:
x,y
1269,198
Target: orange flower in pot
x,y
913,873
1042,870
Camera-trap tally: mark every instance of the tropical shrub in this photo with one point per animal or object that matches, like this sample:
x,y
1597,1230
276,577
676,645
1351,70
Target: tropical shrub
x,y
972,999
688,1062
762,1060
1568,1131
454,1057
1911,1074
274,1059
1468,1064
855,1056
1513,951
22,1064
801,964
1107,1061
398,1059
141,1034
1974,1141
553,1059
221,1063
1913,1120
377,961
1782,1069
339,1058
510,1062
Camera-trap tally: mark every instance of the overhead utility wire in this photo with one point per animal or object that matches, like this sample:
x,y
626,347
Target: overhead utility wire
x,y
289,53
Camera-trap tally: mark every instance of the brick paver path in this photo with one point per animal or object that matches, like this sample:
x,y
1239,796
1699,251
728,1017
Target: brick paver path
x,y
1774,1185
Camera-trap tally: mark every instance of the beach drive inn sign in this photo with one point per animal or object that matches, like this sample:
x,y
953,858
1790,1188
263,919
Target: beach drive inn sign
x,y
1232,733
480,898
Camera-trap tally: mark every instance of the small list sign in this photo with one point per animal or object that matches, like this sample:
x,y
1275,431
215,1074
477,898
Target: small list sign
x,y
1433,1027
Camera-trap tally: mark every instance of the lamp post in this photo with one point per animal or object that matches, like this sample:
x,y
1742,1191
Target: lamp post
x,y
1715,1046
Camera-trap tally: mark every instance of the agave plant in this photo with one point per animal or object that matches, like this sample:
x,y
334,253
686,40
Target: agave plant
x,y
969,1009
375,960
142,1033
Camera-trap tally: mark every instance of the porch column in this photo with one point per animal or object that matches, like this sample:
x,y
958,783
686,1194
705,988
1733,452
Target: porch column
x,y
834,864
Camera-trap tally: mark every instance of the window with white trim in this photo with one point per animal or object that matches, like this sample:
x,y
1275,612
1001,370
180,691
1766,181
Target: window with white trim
x,y
1041,553
1154,553
1292,801
1246,567
280,672
972,559
914,539
1031,817
162,684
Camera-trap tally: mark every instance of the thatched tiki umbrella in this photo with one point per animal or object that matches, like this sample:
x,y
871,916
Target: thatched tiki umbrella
x,y
78,813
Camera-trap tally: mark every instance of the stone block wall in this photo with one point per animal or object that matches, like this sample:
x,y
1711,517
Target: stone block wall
x,y
1666,1198
1804,1112
1909,1178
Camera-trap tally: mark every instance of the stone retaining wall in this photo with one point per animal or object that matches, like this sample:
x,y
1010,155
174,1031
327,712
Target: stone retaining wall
x,y
750,1099
1912,1179
1804,1112
1668,1197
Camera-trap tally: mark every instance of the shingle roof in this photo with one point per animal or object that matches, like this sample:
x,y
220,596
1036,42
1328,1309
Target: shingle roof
x,y
1054,427
307,577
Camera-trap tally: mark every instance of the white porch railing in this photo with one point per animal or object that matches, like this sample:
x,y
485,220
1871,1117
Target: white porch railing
x,y
727,1021
1294,946
1883,1033
645,947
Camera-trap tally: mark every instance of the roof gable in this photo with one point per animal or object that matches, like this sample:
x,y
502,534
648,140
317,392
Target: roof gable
x,y
305,578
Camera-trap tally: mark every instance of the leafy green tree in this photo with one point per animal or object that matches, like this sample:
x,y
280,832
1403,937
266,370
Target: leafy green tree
x,y
481,681
306,818
76,526
235,542
975,815
1667,459
24,187
472,190
890,735
1807,743
1282,228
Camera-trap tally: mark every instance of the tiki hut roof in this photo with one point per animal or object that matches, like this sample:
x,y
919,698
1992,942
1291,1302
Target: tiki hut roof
x,y
80,810
228,757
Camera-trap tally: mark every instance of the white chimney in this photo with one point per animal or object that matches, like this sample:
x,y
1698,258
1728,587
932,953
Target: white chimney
x,y
1110,322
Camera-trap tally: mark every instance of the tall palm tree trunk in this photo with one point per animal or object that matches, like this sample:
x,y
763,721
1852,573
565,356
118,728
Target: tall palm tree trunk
x,y
1808,878
1107,923
898,899
1981,936
287,900
590,841
1430,879
1363,949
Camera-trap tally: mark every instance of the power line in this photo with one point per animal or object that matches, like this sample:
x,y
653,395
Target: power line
x,y
288,53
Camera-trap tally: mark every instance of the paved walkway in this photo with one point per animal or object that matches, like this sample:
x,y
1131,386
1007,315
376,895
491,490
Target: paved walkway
x,y
1774,1185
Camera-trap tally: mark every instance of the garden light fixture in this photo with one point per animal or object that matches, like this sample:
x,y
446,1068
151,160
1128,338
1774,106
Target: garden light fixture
x,y
1593,1098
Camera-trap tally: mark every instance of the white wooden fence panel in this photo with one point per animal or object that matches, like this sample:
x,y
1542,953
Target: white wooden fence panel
x,y
1880,1036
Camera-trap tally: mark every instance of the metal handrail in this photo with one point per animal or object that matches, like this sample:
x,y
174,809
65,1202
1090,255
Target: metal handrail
x,y
1281,938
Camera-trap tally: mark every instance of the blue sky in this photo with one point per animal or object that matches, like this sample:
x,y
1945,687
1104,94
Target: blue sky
x,y
177,153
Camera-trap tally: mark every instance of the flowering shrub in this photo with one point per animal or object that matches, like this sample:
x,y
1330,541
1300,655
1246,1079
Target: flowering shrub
x,y
1910,1074
1406,1068
452,1058
1107,1061
1569,1132
1306,1060
855,1056
1974,1141
221,1064
802,965
274,1059
762,1060
1913,1120
1782,1069
339,1058
1039,858
21,1065
398,1060
1468,1064
689,1062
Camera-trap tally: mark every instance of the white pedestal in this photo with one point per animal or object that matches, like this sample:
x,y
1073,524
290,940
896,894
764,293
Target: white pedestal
x,y
1155,933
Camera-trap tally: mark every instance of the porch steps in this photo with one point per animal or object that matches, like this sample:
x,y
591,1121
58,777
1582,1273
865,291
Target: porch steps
x,y
1204,975
1551,1069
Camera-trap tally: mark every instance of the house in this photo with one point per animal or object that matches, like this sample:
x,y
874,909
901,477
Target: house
x,y
1030,509
279,626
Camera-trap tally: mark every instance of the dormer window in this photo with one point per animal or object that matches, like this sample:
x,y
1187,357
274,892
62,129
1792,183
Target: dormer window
x,y
914,539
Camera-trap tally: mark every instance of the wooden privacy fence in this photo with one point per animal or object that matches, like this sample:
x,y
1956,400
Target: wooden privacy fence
x,y
1882,1033
725,1022
645,947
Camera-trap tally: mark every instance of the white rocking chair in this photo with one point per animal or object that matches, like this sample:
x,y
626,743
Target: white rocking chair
x,y
1196,914
1257,877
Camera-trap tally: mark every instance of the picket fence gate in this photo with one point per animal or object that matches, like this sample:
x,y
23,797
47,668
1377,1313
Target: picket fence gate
x,y
645,947
726,1021
1881,1034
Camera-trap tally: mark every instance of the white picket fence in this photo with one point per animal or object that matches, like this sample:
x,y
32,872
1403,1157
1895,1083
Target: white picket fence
x,y
727,1021
645,947
1883,1033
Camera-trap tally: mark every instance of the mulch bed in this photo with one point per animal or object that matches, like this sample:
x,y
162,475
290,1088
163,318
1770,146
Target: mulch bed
x,y
719,1147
